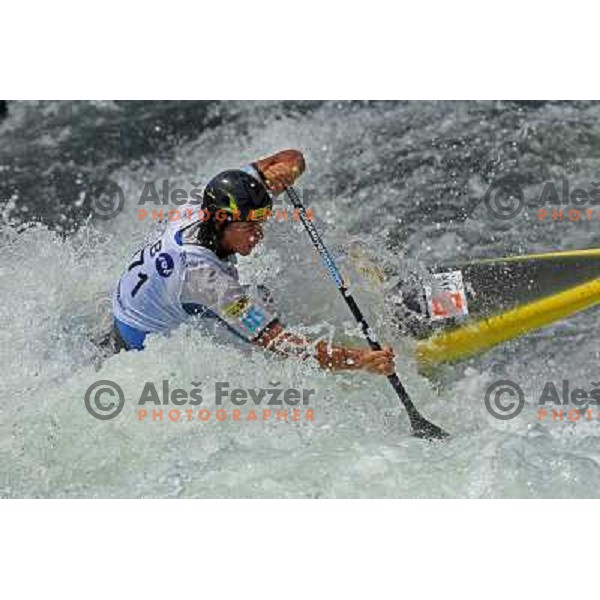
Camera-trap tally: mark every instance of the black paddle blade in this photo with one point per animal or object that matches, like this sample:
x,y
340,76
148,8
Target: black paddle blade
x,y
422,428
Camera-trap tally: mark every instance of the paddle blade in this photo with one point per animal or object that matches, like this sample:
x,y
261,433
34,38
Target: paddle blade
x,y
422,428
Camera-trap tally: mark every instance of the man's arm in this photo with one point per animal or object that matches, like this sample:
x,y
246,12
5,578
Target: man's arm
x,y
279,171
335,358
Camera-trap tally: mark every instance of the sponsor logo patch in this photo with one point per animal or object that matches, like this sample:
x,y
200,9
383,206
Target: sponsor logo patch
x,y
253,319
236,308
164,264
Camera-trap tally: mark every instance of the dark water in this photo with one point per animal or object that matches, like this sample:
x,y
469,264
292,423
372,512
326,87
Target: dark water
x,y
51,152
404,179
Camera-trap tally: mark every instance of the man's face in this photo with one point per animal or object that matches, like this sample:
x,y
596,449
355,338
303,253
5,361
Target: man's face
x,y
241,238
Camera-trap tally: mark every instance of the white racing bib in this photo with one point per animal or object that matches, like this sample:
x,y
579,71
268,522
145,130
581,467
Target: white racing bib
x,y
168,280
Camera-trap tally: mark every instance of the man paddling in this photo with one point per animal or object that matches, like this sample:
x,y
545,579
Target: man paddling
x,y
190,271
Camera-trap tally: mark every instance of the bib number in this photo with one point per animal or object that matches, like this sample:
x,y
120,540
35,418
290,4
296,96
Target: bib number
x,y
164,265
446,297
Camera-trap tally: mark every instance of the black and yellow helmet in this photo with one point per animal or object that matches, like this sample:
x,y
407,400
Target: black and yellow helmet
x,y
236,195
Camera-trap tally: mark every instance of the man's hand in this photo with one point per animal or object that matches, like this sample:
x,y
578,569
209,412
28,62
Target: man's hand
x,y
281,169
335,358
380,362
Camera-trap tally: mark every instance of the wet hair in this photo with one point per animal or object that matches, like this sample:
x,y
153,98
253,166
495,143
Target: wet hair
x,y
208,236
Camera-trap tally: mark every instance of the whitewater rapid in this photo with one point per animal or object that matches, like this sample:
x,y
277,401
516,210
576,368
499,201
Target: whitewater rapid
x,y
411,175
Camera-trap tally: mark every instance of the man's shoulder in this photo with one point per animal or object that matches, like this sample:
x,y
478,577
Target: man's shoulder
x,y
197,256
199,253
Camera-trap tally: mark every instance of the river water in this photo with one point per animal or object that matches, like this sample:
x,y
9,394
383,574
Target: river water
x,y
404,180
